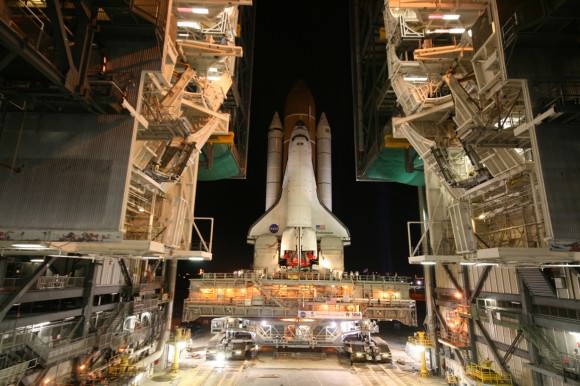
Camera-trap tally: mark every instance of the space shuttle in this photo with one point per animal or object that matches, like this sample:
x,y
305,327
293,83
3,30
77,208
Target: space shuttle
x,y
299,232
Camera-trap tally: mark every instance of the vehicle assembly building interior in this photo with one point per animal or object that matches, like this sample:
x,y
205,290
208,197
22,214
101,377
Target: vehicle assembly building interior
x,y
111,112
480,100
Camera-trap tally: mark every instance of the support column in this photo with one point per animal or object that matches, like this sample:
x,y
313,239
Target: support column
x,y
429,278
88,294
3,266
527,317
468,298
170,273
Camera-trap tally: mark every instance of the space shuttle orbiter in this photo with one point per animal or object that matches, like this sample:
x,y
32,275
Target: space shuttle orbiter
x,y
298,230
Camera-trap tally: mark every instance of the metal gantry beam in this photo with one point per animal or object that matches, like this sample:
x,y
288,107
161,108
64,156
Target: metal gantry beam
x,y
453,278
7,60
492,347
84,37
125,271
468,297
88,294
62,42
477,289
21,47
512,348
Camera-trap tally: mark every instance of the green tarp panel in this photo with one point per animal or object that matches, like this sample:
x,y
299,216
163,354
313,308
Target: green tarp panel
x,y
223,166
389,166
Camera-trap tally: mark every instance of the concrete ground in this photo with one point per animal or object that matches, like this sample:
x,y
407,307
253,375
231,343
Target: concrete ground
x,y
264,370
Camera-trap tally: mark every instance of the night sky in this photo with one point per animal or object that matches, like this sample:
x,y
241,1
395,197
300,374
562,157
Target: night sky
x,y
307,40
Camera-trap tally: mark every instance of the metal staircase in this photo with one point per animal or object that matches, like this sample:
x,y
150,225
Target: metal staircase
x,y
536,282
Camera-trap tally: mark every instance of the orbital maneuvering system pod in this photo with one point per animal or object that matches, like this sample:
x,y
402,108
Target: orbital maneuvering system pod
x,y
298,232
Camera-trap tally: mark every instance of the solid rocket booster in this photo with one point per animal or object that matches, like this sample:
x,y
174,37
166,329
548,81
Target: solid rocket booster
x,y
274,163
324,162
298,231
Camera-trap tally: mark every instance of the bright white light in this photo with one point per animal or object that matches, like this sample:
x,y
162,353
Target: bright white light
x,y
29,246
438,16
37,260
196,258
220,357
563,265
419,282
416,349
213,77
415,78
438,31
189,24
198,11
332,324
428,263
469,32
467,263
481,216
264,323
447,31
325,263
212,69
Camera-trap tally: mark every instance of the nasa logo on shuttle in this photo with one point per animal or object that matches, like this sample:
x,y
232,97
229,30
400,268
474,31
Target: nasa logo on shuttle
x,y
302,314
274,228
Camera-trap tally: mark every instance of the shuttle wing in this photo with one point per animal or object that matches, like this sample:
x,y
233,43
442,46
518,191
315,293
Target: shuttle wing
x,y
274,221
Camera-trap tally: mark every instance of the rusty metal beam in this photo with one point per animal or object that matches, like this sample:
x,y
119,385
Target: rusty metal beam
x,y
84,37
62,41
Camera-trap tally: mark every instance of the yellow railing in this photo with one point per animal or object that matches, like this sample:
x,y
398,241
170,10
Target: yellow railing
x,y
485,374
420,339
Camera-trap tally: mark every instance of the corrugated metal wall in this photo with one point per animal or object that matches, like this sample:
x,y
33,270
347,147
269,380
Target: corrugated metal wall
x,y
501,279
559,147
73,171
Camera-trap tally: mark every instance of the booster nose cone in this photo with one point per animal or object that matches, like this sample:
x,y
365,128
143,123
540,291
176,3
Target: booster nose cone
x,y
323,129
276,123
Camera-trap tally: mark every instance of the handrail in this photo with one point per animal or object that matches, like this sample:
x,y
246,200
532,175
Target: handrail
x,y
305,276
